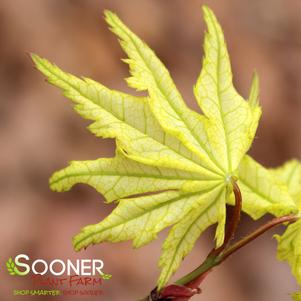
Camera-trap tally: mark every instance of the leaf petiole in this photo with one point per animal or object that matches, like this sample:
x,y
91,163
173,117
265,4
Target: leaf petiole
x,y
217,256
197,276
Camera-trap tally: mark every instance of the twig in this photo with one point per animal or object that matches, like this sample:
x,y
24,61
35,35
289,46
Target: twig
x,y
193,280
261,230
213,261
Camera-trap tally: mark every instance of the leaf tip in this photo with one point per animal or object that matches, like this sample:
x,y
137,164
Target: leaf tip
x,y
35,58
52,182
33,55
108,14
254,91
208,13
206,9
110,17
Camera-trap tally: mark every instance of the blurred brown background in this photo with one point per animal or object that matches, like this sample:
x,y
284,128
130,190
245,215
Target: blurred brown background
x,y
40,133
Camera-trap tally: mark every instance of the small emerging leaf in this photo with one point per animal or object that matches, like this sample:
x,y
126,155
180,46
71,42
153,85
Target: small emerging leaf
x,y
289,246
296,296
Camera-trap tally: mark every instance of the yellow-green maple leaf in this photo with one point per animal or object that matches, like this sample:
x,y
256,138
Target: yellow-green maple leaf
x,y
289,243
290,174
296,296
186,160
262,191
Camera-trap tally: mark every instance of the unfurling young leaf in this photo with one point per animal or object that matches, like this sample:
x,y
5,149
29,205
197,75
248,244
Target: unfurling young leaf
x,y
289,244
296,296
183,160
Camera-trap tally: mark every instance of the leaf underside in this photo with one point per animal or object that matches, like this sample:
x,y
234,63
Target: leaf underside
x,y
183,160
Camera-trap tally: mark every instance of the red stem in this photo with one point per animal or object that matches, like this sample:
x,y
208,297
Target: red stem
x,y
233,222
217,256
261,230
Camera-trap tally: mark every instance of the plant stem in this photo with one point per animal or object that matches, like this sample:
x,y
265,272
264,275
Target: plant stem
x,y
217,256
234,220
236,214
212,260
195,278
261,230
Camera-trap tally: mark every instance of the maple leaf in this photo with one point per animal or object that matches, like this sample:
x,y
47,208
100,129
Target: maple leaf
x,y
183,160
263,191
296,296
289,247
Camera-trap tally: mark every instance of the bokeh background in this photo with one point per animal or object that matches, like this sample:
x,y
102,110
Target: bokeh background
x,y
40,133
